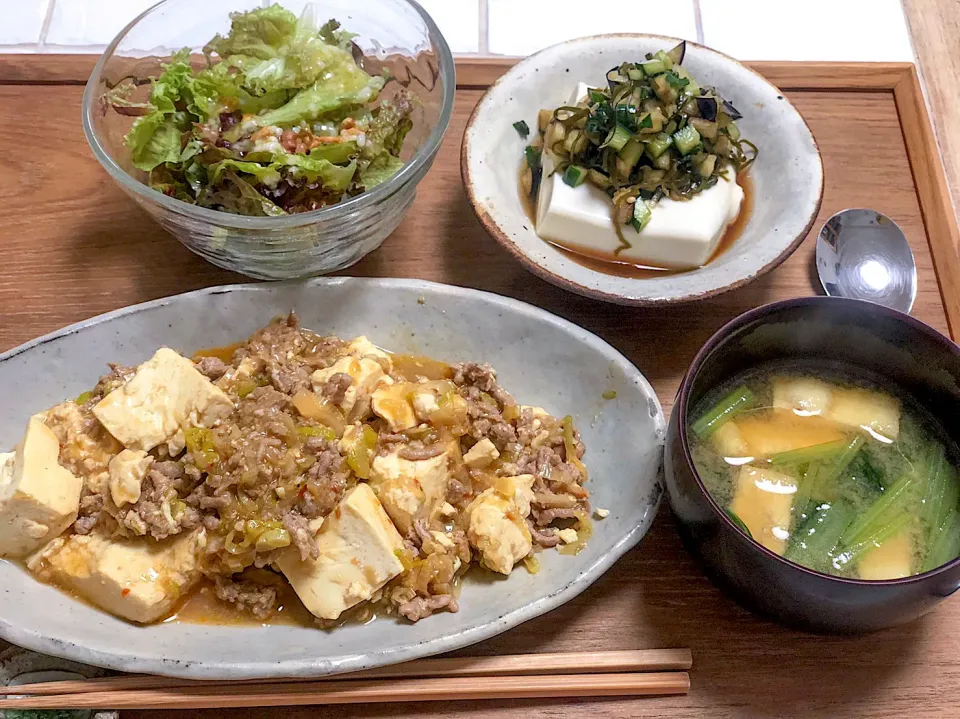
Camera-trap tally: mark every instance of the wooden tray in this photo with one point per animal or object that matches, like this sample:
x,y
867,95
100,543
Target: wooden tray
x,y
74,246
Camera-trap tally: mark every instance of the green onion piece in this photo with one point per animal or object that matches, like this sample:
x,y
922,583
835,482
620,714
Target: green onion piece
x,y
317,431
83,398
532,155
610,394
618,137
812,453
686,138
736,401
675,81
812,544
946,544
739,522
658,145
882,512
641,215
522,129
574,175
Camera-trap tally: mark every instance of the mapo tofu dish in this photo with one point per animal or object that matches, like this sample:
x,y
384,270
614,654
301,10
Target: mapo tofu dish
x,y
355,477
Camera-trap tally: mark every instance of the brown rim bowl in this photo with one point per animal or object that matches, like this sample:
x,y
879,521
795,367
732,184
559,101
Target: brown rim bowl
x,y
902,351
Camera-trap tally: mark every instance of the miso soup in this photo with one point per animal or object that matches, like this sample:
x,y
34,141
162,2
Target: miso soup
x,y
830,471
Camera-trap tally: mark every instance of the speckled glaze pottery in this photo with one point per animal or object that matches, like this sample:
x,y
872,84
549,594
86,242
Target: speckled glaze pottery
x,y
542,359
787,178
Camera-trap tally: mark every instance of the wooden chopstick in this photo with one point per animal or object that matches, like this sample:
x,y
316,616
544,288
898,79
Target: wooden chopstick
x,y
634,660
368,691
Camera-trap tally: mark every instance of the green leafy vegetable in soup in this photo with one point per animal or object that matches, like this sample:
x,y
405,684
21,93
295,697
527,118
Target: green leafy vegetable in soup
x,y
279,119
837,475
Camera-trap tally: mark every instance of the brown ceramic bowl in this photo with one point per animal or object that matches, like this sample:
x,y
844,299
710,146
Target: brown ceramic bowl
x,y
875,340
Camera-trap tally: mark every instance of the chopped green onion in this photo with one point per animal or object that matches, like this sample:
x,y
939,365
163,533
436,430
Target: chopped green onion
x,y
736,401
574,175
641,215
522,129
84,397
610,394
532,154
686,139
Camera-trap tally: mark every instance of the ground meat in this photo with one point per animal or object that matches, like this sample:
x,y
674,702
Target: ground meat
x,y
327,480
212,367
417,451
300,533
158,510
458,492
289,378
117,377
88,515
484,378
420,607
545,538
259,599
336,387
549,515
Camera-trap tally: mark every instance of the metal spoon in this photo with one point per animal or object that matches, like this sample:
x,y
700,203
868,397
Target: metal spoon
x,y
864,255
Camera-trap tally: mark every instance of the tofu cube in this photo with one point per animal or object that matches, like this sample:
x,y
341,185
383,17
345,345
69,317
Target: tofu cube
x,y
497,523
166,394
802,395
359,549
84,449
363,347
127,472
405,486
891,560
140,580
39,499
873,412
394,404
729,442
365,372
763,499
482,454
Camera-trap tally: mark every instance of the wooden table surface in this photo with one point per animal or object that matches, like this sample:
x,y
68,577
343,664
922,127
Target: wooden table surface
x,y
75,246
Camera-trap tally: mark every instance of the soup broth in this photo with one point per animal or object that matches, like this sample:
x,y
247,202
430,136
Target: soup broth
x,y
830,471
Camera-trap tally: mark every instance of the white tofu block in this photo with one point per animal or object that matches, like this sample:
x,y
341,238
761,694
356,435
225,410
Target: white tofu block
x,y
140,579
802,395
891,560
875,413
481,455
680,234
404,486
84,450
39,499
763,499
394,404
166,394
497,526
359,549
127,471
363,347
365,372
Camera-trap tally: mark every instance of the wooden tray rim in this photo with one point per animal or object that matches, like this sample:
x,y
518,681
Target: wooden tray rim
x,y
899,78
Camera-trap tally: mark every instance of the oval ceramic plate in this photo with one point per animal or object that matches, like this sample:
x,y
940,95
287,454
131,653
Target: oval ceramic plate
x,y
787,176
540,358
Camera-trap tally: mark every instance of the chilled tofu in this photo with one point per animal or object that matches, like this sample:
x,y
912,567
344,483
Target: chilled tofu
x,y
873,412
140,580
893,559
127,472
763,499
166,394
366,373
359,553
404,486
785,431
497,523
394,404
729,442
84,448
39,499
481,455
802,395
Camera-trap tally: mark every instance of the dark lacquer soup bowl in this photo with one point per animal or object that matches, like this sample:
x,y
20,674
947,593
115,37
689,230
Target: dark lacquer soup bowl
x,y
879,342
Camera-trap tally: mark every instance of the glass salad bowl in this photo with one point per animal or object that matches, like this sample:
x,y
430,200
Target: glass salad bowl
x,y
393,39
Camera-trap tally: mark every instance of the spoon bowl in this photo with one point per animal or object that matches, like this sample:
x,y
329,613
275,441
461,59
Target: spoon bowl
x,y
863,254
